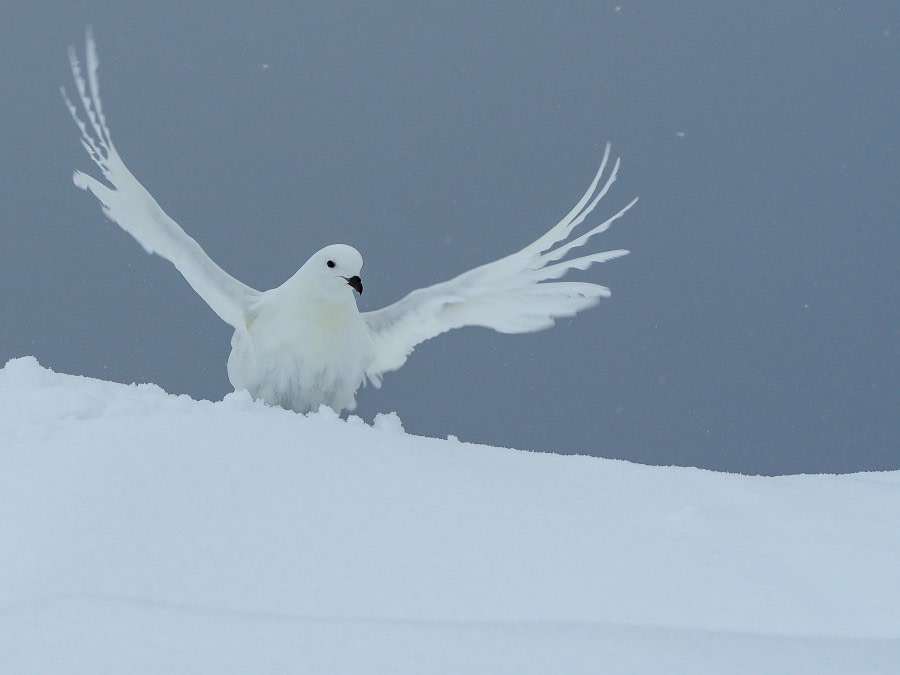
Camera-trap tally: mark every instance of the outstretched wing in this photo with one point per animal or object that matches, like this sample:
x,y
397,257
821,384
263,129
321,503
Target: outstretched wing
x,y
516,294
128,204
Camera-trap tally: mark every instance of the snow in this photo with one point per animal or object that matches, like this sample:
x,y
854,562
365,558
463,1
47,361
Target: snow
x,y
146,532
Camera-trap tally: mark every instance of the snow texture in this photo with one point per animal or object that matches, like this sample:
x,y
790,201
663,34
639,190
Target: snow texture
x,y
144,532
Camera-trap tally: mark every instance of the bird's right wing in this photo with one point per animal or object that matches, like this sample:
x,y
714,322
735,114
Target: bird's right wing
x,y
128,204
516,294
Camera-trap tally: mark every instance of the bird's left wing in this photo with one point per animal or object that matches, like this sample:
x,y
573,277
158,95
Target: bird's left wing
x,y
128,204
516,294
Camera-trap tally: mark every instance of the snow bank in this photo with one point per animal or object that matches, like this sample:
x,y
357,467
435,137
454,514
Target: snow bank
x,y
153,533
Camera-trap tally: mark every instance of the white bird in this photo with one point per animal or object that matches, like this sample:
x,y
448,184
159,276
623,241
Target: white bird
x,y
305,343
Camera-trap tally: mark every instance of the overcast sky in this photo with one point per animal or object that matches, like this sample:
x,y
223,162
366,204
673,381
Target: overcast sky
x,y
753,328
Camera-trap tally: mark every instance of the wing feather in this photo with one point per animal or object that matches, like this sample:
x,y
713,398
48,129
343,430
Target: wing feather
x,y
127,203
516,294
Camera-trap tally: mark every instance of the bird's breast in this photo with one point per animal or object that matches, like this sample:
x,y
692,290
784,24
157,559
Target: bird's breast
x,y
302,357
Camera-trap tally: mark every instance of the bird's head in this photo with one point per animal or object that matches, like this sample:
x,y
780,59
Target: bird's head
x,y
334,270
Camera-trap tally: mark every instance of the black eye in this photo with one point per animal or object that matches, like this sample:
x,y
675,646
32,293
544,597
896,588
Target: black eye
x,y
330,263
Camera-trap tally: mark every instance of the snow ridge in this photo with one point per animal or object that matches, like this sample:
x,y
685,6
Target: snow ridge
x,y
160,533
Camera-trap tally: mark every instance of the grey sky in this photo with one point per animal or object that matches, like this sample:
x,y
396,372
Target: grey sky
x,y
754,327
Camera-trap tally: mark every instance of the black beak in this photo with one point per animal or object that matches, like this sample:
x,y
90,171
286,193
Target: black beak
x,y
356,284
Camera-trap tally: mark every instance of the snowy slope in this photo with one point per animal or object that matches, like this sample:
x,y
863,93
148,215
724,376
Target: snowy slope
x,y
144,532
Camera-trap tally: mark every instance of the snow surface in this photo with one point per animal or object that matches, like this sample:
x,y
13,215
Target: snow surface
x,y
144,532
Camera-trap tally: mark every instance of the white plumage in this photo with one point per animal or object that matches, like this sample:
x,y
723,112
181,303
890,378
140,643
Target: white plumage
x,y
305,343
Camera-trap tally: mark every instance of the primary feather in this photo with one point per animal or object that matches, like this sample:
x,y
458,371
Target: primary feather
x,y
305,343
